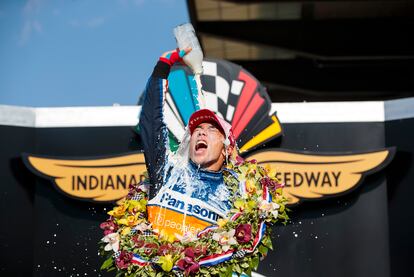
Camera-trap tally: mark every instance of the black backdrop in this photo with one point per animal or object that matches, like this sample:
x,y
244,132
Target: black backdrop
x,y
365,233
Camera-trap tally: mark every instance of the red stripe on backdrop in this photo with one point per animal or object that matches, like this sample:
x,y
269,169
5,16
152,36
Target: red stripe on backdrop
x,y
251,110
249,87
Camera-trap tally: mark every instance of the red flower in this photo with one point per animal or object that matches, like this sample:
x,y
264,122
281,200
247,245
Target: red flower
x,y
195,252
138,242
239,160
176,249
108,226
132,186
243,233
200,250
188,265
150,248
271,184
124,260
189,252
133,189
164,250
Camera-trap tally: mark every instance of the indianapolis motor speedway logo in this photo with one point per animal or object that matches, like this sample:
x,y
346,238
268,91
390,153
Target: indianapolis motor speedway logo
x,y
306,176
238,97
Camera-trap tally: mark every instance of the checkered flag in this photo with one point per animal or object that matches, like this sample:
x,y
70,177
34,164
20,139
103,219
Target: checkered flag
x,y
147,233
240,254
231,92
137,196
221,88
117,254
178,273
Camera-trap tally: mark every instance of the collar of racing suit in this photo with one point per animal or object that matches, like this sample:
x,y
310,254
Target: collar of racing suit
x,y
205,174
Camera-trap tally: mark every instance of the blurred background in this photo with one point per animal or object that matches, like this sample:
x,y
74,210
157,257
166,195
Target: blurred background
x,y
82,52
100,53
314,50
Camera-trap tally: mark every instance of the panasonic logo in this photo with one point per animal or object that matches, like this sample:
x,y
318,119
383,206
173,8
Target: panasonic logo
x,y
169,201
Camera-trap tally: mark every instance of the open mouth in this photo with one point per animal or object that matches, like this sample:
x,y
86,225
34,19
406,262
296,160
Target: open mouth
x,y
200,145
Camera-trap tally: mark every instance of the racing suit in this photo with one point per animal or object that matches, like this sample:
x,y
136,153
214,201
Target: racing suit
x,y
173,207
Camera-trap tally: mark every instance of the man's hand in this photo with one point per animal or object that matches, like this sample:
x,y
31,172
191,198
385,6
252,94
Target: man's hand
x,y
174,56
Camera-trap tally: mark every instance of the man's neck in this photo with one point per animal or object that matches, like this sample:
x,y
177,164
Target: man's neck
x,y
211,168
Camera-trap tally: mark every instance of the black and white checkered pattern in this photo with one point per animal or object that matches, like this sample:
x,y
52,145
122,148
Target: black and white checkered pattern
x,y
178,273
221,88
147,233
262,216
240,254
155,260
117,254
137,196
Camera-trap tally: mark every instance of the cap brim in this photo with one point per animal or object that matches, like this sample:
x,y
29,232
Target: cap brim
x,y
203,116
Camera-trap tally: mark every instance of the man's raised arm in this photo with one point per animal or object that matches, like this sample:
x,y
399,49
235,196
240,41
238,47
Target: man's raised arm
x,y
153,130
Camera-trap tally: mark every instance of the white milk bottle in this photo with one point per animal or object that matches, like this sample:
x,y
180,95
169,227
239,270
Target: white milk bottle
x,y
186,37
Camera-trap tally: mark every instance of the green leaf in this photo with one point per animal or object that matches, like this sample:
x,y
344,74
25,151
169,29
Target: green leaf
x,y
255,262
267,242
237,268
107,263
248,271
229,272
263,250
245,265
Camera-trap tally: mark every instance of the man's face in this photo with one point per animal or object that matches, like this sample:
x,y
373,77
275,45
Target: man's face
x,y
207,146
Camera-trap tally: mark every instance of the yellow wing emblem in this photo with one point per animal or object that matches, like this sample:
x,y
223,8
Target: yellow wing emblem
x,y
96,179
311,176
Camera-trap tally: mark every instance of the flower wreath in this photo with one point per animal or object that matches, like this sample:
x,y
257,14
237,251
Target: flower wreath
x,y
235,244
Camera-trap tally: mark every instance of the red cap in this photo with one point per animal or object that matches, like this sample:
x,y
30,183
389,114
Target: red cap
x,y
206,115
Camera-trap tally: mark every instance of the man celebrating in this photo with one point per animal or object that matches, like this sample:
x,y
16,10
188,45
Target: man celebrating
x,y
188,192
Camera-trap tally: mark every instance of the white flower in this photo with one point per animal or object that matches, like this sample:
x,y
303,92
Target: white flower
x,y
225,239
113,242
271,207
187,237
143,227
144,187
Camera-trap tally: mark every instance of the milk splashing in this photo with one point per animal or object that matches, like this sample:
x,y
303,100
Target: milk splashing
x,y
179,174
200,94
187,180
